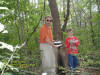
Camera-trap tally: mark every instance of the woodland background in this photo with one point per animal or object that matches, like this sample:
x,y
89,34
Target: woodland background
x,y
23,18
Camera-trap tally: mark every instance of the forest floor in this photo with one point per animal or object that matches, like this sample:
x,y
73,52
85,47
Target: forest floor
x,y
84,71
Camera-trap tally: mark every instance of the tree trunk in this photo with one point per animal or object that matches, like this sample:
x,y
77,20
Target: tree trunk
x,y
80,14
57,29
56,20
64,7
92,32
21,23
19,40
75,13
98,5
67,16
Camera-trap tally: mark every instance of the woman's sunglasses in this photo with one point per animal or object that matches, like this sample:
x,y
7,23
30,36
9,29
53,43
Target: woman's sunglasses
x,y
49,20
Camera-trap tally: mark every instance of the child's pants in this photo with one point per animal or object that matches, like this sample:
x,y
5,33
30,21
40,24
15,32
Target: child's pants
x,y
72,61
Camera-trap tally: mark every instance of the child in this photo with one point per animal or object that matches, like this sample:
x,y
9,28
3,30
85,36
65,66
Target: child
x,y
71,43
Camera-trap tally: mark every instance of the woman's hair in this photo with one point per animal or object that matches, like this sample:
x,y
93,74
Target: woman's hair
x,y
48,17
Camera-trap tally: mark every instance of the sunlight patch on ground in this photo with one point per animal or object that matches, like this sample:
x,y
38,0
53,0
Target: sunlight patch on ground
x,y
1,27
1,65
44,73
5,8
5,31
7,46
10,47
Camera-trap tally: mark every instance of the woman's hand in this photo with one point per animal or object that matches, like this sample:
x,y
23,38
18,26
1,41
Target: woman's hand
x,y
54,46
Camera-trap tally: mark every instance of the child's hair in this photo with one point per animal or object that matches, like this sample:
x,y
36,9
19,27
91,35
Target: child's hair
x,y
70,29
